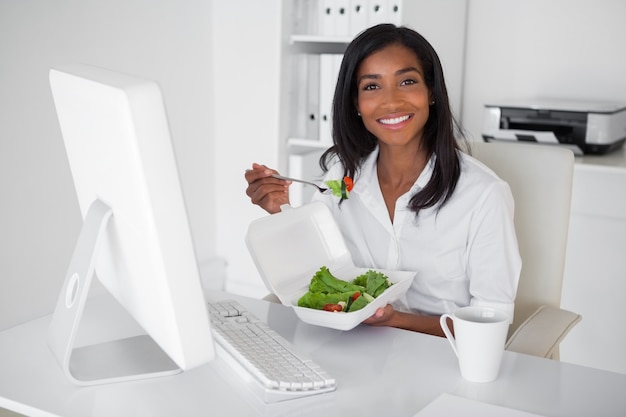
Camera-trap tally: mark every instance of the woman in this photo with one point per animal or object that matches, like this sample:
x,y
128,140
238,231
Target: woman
x,y
418,202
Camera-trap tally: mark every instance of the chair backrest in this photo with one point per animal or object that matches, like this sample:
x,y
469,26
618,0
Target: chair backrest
x,y
540,177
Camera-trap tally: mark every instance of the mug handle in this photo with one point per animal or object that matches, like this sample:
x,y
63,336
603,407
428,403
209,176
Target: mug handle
x,y
446,330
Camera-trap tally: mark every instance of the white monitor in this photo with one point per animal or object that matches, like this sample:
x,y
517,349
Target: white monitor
x,y
135,237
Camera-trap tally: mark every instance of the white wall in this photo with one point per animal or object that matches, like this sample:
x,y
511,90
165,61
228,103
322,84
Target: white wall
x,y
247,61
164,40
428,18
553,49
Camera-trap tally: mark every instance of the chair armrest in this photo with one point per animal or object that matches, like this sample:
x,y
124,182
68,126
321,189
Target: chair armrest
x,y
542,332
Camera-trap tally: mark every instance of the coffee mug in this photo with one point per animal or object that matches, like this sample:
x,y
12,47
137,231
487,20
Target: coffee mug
x,y
478,341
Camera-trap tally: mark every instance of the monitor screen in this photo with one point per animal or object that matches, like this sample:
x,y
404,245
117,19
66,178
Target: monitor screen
x,y
136,237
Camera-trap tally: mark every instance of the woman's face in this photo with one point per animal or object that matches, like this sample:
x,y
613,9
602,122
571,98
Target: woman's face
x,y
392,97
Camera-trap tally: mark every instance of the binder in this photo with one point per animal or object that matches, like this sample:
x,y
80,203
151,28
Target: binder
x,y
311,89
304,17
296,189
327,16
358,16
377,12
329,71
327,85
394,12
304,96
342,18
304,166
298,95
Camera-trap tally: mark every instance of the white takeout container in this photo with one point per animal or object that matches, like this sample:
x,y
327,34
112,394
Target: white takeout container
x,y
289,247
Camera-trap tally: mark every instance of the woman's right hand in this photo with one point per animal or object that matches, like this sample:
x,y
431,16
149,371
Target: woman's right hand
x,y
266,191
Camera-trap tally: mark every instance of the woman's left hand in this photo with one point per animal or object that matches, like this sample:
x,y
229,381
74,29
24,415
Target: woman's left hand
x,y
388,316
383,316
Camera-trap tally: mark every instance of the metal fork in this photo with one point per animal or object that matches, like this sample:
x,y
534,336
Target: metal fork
x,y
322,190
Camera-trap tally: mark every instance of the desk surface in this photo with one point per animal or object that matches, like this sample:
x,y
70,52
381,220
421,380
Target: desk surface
x,y
615,160
380,371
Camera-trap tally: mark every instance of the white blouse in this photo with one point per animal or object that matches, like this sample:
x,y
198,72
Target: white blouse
x,y
464,254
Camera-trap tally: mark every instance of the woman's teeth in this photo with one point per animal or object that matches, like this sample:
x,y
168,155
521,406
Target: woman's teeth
x,y
395,120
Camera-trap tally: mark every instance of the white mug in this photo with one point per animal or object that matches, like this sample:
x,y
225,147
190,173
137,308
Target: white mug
x,y
478,341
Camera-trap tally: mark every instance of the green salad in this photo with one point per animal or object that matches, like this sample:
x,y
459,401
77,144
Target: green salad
x,y
329,293
341,188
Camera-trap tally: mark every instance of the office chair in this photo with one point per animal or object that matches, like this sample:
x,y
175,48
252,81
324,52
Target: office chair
x,y
540,177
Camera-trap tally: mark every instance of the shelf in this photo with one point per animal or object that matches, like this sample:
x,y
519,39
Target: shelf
x,y
298,146
315,44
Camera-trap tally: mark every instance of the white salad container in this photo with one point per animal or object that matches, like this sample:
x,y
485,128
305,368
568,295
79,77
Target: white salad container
x,y
289,247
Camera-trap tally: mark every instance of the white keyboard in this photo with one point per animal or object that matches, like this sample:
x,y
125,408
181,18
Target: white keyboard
x,y
272,366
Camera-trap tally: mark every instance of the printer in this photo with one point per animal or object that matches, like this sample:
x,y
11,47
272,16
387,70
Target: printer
x,y
586,128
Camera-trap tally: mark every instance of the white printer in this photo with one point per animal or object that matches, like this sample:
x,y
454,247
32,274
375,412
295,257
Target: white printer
x,y
589,128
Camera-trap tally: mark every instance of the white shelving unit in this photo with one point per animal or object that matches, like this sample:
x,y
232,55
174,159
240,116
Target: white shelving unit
x,y
318,44
320,32
254,99
310,38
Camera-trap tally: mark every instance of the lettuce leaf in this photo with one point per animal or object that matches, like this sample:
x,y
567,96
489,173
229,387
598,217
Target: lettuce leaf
x,y
323,281
318,300
327,289
375,283
338,188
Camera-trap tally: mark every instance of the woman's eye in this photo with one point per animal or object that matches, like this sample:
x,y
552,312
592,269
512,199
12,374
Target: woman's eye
x,y
408,82
368,87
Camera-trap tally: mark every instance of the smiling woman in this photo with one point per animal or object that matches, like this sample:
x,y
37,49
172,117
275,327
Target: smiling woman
x,y
418,203
395,98
388,70
393,101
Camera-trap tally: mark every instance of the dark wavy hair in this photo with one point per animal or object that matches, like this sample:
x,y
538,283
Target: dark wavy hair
x,y
352,142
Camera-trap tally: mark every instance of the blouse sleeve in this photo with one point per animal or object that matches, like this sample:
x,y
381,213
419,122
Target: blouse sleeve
x,y
494,263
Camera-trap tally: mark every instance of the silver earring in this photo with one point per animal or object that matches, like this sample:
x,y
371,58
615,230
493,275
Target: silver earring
x,y
358,114
432,102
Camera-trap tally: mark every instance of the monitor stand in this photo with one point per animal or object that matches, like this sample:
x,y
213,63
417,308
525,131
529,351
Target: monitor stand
x,y
120,360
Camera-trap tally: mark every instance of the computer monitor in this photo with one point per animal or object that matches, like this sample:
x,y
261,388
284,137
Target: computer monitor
x,y
135,237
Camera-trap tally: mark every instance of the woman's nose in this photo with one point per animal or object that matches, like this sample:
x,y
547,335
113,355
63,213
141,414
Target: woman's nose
x,y
392,98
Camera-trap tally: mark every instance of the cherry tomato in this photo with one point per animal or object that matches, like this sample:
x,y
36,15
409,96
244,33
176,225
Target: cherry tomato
x,y
356,295
333,307
349,183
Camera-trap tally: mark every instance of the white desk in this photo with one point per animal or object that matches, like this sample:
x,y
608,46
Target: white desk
x,y
380,372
